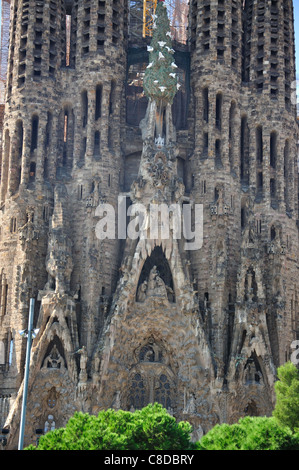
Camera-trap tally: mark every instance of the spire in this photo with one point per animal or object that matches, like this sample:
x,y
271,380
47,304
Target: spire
x,y
160,80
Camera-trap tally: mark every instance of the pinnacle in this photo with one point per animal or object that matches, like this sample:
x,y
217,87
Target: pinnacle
x,y
161,81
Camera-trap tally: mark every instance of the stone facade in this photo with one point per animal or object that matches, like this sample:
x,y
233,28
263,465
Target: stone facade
x,y
126,322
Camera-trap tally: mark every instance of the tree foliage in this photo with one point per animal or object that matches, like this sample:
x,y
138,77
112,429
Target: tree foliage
x,y
151,428
250,433
160,80
287,396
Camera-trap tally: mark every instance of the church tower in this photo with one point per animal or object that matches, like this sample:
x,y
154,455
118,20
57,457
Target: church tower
x,y
197,120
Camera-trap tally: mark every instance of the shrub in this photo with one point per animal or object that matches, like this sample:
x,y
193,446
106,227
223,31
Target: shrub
x,y
287,396
250,433
151,428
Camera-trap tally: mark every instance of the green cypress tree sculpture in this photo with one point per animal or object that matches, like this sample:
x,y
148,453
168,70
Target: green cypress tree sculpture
x,y
160,80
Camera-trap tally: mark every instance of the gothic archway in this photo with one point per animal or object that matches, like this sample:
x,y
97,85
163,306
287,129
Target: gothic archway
x,y
156,266
54,357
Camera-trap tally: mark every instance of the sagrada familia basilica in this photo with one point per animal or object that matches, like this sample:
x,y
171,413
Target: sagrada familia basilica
x,y
200,118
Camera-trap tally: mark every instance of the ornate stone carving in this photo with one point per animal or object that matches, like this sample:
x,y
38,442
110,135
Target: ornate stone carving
x,y
54,360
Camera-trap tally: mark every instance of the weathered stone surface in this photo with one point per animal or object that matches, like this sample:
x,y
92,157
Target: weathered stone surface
x,y
125,322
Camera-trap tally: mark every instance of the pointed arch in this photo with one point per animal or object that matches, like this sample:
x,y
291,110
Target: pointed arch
x,y
252,370
56,329
157,262
3,293
54,357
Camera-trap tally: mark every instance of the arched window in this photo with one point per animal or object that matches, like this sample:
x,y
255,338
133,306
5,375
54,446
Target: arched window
x,y
13,225
84,101
205,99
67,124
48,130
137,398
34,133
273,194
112,97
151,384
16,157
55,356
272,233
20,135
287,177
244,151
205,146
218,122
218,152
232,133
32,172
252,370
98,104
97,145
3,294
151,379
156,270
163,392
259,144
260,183
273,149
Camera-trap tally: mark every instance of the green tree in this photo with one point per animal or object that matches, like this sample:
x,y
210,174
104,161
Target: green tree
x,y
160,79
250,433
287,396
151,428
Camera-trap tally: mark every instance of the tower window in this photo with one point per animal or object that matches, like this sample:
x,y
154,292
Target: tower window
x,y
112,98
84,108
218,110
34,133
32,171
13,225
259,144
218,152
205,98
244,150
273,149
260,182
97,143
205,144
98,107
